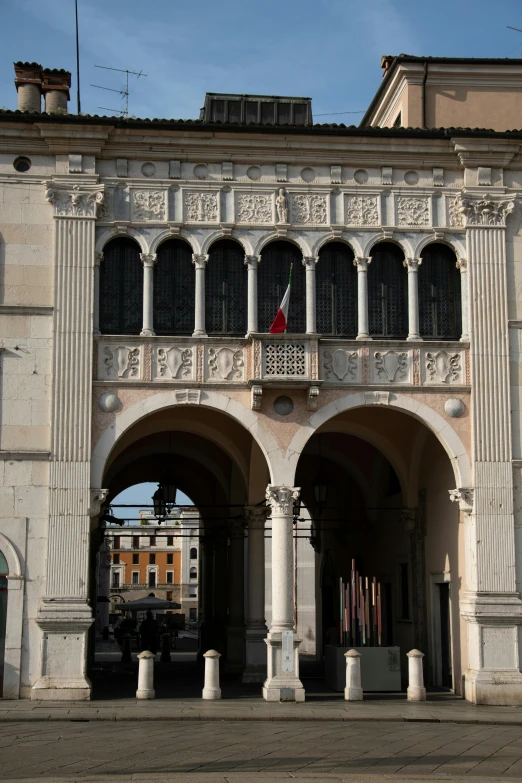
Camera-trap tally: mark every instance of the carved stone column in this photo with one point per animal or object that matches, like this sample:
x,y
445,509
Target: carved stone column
x,y
98,258
252,263
309,263
282,682
200,262
462,266
412,265
64,615
491,604
236,598
148,260
255,669
361,263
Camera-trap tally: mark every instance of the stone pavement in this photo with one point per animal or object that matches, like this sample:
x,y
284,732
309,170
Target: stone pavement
x,y
440,708
258,752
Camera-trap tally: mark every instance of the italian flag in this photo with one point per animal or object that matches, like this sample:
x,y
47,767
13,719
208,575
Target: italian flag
x,y
280,321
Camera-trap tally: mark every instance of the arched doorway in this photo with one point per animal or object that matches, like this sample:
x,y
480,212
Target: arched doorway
x,y
376,482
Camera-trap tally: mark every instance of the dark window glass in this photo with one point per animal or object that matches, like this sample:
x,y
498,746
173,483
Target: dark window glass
x,y
174,289
336,287
152,541
439,294
121,288
136,542
170,558
152,559
226,289
116,558
170,577
116,544
387,291
193,553
116,579
170,540
135,578
152,579
135,559
22,164
273,274
193,573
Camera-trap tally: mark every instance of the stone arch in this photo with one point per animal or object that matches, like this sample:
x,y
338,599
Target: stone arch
x,y
15,606
353,243
183,235
291,237
442,430
453,243
115,233
218,236
175,398
401,243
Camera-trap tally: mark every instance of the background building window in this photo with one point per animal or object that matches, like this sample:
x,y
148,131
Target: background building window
x,y
116,558
439,294
152,540
174,285
135,577
193,553
170,577
169,595
226,289
121,288
135,542
116,543
272,275
152,579
152,559
135,559
193,613
387,292
115,578
170,558
193,573
170,540
336,287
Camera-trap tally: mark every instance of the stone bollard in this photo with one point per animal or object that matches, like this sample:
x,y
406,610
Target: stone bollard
x,y
416,690
353,690
126,654
165,648
211,689
146,676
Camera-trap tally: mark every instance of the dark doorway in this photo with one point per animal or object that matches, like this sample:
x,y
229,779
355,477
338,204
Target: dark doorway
x,y
445,636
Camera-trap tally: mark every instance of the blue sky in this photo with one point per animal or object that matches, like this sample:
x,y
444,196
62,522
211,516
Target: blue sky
x,y
141,494
326,49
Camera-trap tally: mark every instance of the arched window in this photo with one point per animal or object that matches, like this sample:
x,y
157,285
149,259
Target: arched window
x,y
174,282
121,288
336,290
193,573
439,294
226,289
273,274
387,292
4,570
193,553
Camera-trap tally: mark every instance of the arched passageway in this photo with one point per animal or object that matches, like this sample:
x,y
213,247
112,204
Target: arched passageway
x,y
376,483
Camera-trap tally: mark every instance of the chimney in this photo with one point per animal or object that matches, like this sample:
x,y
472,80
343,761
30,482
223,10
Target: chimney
x,y
28,81
386,61
55,87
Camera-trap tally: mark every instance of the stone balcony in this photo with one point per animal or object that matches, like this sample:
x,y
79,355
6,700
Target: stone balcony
x,y
280,361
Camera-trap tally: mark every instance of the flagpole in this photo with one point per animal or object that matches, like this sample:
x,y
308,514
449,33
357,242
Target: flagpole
x,y
290,277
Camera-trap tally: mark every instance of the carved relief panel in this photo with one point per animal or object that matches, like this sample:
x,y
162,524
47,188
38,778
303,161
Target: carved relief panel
x,y
173,362
254,208
390,365
117,362
309,209
362,210
340,365
443,366
225,363
200,206
148,205
412,211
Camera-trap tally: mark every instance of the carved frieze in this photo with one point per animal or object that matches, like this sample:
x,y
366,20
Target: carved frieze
x,y
308,209
413,211
76,201
340,365
362,211
201,206
225,364
119,361
174,362
254,208
443,367
391,367
149,205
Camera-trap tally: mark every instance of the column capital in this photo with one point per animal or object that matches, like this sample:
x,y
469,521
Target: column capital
x,y
252,262
309,262
200,261
462,265
256,516
98,258
485,212
280,499
78,201
148,259
412,264
464,497
362,263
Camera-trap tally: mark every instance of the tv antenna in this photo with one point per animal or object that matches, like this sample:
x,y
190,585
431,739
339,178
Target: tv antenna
x,y
123,92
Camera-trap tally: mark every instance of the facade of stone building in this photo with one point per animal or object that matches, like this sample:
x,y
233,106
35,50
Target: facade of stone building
x,y
142,263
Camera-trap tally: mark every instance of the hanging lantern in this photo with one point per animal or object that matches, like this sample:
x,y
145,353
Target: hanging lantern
x,y
160,507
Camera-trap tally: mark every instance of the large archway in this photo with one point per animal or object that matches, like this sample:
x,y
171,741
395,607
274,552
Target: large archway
x,y
376,482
